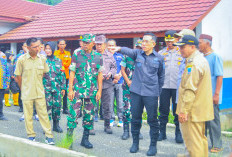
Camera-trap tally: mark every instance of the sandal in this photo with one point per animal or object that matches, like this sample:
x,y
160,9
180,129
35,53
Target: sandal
x,y
216,150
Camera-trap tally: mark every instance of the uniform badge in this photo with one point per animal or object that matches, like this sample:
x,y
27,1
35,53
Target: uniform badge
x,y
189,68
179,63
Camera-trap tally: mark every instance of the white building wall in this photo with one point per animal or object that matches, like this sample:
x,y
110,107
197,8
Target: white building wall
x,y
7,26
218,23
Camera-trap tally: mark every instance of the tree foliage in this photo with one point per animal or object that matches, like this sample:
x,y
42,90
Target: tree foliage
x,y
49,2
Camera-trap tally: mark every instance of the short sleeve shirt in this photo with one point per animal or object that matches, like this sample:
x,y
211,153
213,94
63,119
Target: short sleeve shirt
x,y
216,69
32,71
172,60
86,68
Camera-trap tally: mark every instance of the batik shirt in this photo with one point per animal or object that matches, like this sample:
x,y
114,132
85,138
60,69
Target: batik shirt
x,y
4,74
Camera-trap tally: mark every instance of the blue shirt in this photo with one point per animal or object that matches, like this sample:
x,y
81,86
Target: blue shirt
x,y
180,73
216,69
148,77
118,58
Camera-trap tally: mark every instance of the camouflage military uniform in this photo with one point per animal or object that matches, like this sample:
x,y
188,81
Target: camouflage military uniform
x,y
128,63
54,81
86,68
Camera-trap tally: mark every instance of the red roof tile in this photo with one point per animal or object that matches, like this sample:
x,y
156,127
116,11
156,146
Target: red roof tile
x,y
17,10
72,18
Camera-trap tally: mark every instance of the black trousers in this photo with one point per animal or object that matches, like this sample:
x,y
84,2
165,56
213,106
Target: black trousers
x,y
151,104
164,108
2,92
65,97
20,100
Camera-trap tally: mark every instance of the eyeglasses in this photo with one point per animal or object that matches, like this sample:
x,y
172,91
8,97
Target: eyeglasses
x,y
146,41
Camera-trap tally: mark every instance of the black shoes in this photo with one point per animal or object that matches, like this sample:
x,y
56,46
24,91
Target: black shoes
x,y
152,151
135,146
179,138
85,139
126,130
162,136
56,126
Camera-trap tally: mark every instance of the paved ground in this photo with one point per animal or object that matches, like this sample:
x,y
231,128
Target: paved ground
x,y
104,145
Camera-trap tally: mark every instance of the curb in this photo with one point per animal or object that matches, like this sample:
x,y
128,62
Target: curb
x,y
15,146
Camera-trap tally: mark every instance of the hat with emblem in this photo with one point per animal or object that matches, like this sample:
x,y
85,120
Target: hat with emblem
x,y
184,32
100,39
187,40
169,35
88,38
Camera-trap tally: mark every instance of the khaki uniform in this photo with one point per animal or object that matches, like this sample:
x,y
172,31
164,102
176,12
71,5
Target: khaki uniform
x,y
32,90
195,99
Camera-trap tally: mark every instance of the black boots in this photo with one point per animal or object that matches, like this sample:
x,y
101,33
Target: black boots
x,y
85,139
152,148
56,126
178,137
107,128
126,130
162,134
135,145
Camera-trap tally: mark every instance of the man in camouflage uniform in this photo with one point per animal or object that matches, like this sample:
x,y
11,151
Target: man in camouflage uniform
x,y
85,87
127,70
54,83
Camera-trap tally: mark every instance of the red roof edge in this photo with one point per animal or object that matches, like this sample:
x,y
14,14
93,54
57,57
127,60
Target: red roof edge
x,y
12,19
204,15
113,36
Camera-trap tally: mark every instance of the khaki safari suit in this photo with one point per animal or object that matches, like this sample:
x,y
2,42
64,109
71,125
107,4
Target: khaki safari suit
x,y
195,99
32,90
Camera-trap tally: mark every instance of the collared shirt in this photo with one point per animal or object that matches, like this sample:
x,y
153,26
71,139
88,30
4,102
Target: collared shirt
x,y
181,71
172,59
195,91
148,77
4,74
109,65
16,59
32,71
216,68
65,57
129,65
54,80
86,68
118,58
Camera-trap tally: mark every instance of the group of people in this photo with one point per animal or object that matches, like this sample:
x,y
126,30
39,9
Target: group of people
x,y
186,74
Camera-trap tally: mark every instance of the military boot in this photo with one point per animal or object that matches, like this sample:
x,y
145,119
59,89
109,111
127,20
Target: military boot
x,y
56,126
107,127
135,145
162,134
178,137
85,139
126,130
152,148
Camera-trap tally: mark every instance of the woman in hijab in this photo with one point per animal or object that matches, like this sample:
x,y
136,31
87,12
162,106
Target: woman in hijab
x,y
14,88
54,84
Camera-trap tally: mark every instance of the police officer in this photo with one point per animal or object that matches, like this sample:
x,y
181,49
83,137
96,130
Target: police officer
x,y
55,85
172,59
85,87
193,108
145,89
